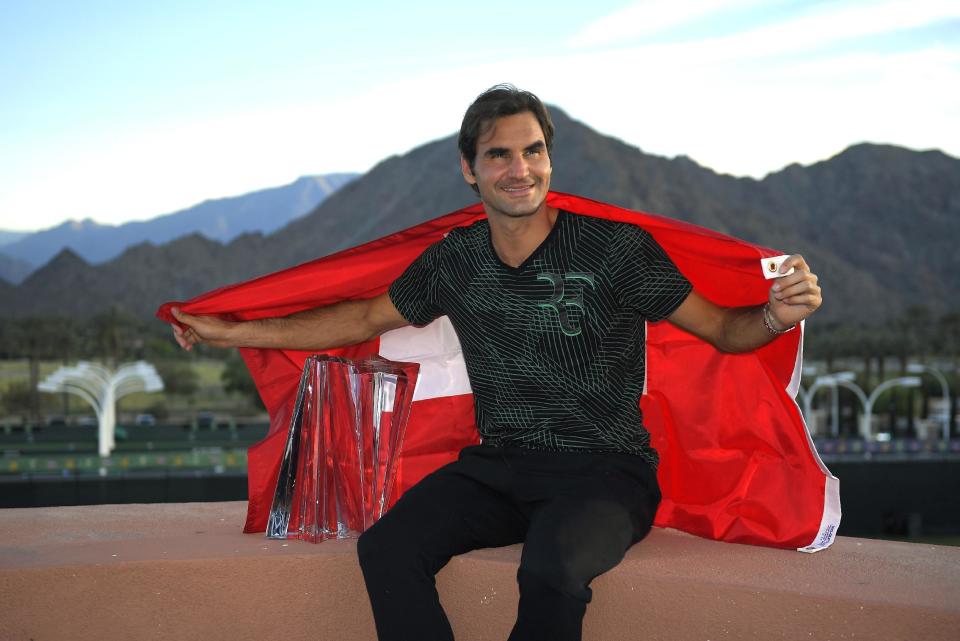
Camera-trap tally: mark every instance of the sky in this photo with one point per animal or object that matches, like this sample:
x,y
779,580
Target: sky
x,y
125,110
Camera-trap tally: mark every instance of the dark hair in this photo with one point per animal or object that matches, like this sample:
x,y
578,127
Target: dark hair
x,y
496,102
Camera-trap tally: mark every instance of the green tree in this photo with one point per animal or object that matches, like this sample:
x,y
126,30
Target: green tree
x,y
912,335
236,379
179,378
21,399
948,338
40,338
9,348
114,336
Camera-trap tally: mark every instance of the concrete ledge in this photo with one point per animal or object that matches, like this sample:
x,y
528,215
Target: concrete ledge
x,y
184,571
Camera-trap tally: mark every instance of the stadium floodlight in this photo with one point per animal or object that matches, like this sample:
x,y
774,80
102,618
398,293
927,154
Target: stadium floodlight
x,y
821,381
866,426
918,368
833,381
838,379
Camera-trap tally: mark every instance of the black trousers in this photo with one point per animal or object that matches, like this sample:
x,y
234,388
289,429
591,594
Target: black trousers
x,y
576,513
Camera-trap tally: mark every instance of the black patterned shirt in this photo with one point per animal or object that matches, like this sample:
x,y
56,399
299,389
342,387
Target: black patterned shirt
x,y
554,348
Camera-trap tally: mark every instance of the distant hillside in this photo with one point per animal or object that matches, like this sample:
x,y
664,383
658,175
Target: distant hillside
x,y
875,221
869,201
7,291
7,237
13,270
222,219
184,267
890,216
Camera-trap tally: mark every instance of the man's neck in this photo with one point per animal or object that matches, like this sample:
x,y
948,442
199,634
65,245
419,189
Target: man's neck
x,y
514,239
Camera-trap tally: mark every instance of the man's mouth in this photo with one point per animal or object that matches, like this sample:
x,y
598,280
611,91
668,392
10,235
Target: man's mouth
x,y
516,189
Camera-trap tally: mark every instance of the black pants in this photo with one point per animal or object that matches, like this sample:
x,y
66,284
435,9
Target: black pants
x,y
577,514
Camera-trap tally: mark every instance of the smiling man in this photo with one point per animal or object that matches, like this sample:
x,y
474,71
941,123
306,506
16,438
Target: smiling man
x,y
550,310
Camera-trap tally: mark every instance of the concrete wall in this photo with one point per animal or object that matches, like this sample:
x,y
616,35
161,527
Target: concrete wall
x,y
184,571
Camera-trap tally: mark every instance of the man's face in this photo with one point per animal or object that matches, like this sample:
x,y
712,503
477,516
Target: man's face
x,y
512,168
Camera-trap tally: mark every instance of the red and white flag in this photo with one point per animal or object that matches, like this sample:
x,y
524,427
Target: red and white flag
x,y
736,461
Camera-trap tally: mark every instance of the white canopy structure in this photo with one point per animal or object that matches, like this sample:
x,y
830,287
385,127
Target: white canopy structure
x,y
102,389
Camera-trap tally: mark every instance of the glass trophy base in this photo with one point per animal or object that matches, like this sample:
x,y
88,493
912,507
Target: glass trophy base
x,y
340,461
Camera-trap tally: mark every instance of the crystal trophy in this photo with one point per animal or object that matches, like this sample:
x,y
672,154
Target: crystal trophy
x,y
340,461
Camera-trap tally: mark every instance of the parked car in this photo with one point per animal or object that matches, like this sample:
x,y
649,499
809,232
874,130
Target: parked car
x,y
206,419
145,420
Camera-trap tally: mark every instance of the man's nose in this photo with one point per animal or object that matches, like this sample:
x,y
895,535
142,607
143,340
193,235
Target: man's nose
x,y
519,166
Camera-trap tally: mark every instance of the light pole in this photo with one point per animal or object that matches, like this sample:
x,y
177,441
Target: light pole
x,y
828,380
917,368
853,387
838,378
903,381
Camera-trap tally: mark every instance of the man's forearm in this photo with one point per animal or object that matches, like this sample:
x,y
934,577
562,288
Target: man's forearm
x,y
344,323
744,329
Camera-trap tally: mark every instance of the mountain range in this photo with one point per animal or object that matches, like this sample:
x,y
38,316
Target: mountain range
x,y
7,237
878,223
222,219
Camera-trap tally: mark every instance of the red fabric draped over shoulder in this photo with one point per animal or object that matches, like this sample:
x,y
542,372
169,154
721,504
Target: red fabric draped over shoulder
x,y
737,463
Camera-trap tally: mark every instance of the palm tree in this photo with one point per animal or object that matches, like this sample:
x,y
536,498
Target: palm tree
x,y
113,336
36,339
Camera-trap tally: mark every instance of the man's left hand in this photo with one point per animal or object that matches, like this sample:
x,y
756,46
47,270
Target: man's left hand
x,y
794,297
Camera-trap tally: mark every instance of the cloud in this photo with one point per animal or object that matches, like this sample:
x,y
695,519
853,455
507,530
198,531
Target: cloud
x,y
752,119
746,103
836,23
648,18
816,29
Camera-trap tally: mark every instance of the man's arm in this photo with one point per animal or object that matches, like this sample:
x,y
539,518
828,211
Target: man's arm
x,y
742,329
345,323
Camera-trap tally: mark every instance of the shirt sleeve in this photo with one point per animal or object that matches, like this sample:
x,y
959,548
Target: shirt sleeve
x,y
416,292
647,279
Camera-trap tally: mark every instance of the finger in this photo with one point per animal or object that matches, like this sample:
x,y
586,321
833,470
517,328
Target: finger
x,y
796,262
809,301
803,273
796,289
799,295
786,282
181,339
183,317
178,322
782,293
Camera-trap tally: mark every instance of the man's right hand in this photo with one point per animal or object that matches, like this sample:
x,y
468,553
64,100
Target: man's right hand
x,y
201,329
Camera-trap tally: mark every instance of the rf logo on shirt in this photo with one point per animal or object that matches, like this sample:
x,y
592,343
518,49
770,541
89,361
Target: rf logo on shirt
x,y
570,285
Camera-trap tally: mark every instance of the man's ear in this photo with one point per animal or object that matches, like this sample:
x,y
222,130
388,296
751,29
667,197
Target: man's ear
x,y
467,172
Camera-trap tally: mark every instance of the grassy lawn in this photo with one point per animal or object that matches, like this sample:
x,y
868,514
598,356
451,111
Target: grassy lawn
x,y
209,395
19,370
